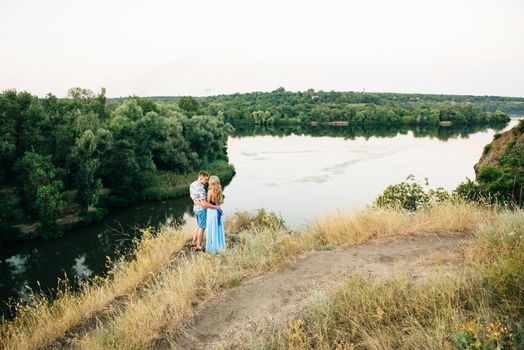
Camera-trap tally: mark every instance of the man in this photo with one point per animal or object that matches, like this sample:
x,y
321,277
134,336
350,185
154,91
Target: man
x,y
197,192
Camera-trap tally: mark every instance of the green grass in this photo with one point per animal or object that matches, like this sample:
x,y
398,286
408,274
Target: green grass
x,y
167,184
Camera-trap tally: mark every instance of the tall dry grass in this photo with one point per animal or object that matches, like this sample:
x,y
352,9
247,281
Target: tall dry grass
x,y
376,314
480,308
165,304
441,218
42,323
164,308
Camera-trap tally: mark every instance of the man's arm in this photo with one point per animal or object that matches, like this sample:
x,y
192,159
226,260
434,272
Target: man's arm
x,y
206,205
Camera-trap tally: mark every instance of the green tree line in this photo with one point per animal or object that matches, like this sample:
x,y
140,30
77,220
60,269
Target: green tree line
x,y
285,107
52,148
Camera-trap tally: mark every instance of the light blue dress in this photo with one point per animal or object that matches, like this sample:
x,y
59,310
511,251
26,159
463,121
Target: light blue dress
x,y
215,238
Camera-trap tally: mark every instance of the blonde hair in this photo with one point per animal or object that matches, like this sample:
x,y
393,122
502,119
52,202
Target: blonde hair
x,y
215,190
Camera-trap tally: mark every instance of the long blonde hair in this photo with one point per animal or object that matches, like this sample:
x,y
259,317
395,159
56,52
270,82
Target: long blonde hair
x,y
215,190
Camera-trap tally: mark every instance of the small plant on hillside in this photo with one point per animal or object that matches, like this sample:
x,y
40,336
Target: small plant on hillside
x,y
260,219
410,195
490,336
501,185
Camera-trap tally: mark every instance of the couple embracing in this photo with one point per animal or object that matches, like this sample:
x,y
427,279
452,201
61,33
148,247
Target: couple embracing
x,y
208,213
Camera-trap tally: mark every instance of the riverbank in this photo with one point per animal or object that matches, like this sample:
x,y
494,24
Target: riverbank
x,y
162,185
167,185
150,298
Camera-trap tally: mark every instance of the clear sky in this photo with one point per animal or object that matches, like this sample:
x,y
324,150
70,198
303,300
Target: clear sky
x,y
202,47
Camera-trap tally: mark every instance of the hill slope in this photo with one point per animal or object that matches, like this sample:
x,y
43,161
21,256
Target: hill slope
x,y
499,147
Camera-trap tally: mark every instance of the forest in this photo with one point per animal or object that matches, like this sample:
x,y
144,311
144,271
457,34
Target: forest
x,y
68,158
356,108
65,161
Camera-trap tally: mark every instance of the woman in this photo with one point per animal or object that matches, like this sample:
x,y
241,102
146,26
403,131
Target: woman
x,y
215,241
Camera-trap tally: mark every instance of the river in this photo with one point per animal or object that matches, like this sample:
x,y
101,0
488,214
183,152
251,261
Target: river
x,y
301,173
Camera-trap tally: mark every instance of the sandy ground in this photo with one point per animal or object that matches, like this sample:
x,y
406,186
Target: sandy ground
x,y
272,299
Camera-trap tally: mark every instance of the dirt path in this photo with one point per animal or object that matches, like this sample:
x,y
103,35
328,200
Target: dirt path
x,y
273,298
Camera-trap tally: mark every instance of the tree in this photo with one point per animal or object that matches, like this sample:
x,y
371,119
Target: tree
x,y
35,171
8,111
263,118
87,185
188,104
86,101
146,104
162,137
121,171
207,137
49,204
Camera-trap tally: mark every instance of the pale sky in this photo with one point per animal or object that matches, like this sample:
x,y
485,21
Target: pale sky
x,y
199,47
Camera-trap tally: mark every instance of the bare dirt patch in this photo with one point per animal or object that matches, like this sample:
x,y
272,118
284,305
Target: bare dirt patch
x,y
271,299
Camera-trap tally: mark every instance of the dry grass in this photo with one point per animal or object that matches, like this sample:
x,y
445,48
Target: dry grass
x,y
374,314
496,237
166,303
44,322
480,308
244,220
358,227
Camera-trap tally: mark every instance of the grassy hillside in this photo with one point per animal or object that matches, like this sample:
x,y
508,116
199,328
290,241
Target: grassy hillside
x,y
500,170
502,144
151,295
481,307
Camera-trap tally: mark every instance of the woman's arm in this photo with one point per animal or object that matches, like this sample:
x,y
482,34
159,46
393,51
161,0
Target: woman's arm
x,y
207,204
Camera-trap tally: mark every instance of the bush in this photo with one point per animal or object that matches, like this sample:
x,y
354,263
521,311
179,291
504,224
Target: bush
x,y
260,219
410,195
500,185
469,191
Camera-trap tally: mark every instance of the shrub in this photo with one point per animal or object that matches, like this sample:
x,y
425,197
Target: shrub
x,y
410,195
493,185
260,219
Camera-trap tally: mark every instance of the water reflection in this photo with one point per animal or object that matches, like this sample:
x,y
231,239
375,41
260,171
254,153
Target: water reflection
x,y
351,132
80,268
82,253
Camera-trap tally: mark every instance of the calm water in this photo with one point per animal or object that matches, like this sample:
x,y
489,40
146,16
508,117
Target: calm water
x,y
300,173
